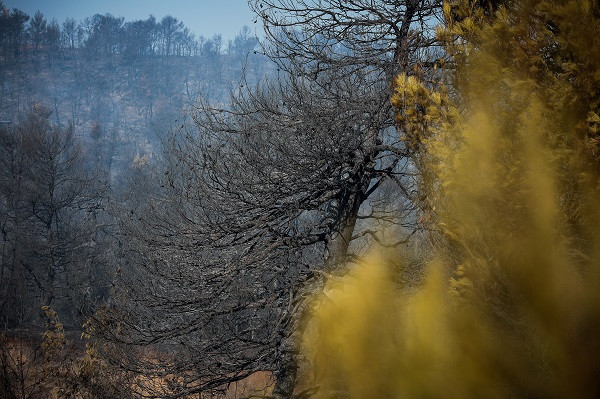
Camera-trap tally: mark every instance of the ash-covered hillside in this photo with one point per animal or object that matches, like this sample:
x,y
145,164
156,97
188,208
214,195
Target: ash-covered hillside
x,y
127,82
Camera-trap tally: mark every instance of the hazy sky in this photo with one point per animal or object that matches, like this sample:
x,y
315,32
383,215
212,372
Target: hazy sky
x,y
204,17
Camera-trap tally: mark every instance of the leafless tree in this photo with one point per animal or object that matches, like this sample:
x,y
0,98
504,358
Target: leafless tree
x,y
48,246
270,193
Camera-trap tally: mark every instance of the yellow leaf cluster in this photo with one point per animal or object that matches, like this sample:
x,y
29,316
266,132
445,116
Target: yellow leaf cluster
x,y
510,306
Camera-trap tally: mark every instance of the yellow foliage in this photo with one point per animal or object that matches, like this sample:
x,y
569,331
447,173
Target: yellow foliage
x,y
53,338
510,306
139,162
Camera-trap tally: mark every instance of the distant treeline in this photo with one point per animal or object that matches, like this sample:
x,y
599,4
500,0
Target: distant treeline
x,y
133,81
22,34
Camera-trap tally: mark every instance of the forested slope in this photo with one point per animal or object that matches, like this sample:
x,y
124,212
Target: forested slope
x,y
406,207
